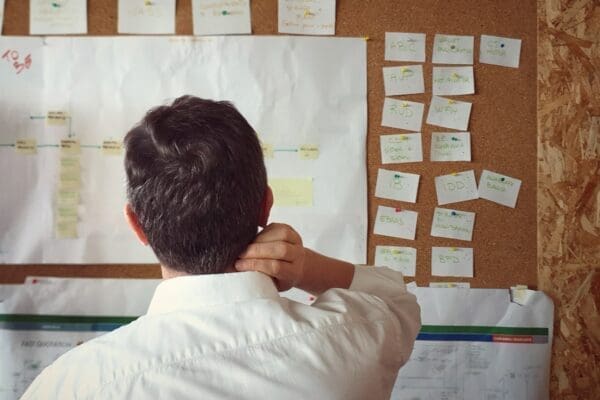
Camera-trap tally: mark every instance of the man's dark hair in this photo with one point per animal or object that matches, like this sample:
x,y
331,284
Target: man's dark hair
x,y
196,180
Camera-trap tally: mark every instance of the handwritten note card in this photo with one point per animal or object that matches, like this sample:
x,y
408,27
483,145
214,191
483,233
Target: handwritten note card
x,y
401,46
396,223
57,17
499,188
452,261
396,185
307,17
500,51
221,17
292,192
403,259
403,80
450,49
451,146
449,113
453,81
402,114
147,16
453,224
402,148
453,188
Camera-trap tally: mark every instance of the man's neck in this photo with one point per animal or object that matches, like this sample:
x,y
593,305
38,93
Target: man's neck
x,y
168,273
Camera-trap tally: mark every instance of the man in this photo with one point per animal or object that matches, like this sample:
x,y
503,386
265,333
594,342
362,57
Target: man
x,y
216,327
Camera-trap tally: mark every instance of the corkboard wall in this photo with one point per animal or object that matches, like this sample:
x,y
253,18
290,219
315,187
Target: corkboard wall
x,y
503,125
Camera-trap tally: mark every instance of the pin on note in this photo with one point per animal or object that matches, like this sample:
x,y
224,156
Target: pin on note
x,y
70,146
26,146
309,152
292,192
112,147
57,118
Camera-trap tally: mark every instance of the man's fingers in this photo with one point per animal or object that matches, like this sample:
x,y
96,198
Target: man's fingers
x,y
278,232
273,268
272,250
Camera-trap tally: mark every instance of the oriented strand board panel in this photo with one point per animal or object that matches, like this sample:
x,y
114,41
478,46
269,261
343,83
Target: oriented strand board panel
x,y
503,125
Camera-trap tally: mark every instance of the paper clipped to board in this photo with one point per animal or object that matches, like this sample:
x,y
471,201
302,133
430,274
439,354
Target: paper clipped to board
x,y
450,146
499,188
452,261
57,17
449,113
402,259
401,148
396,222
456,187
221,17
402,46
453,81
307,17
402,114
452,49
500,51
407,79
395,185
453,224
147,17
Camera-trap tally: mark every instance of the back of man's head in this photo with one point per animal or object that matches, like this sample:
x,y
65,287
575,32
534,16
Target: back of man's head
x,y
196,181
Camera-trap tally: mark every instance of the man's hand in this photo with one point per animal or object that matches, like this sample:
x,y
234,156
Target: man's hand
x,y
278,252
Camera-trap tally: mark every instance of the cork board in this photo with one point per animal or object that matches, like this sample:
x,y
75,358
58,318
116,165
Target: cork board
x,y
503,127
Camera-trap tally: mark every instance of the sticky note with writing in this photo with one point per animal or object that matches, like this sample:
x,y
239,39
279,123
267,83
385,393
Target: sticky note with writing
x,y
401,46
57,118
402,114
314,17
449,113
59,17
403,259
499,188
66,226
26,146
67,198
500,51
452,49
221,17
452,261
267,149
70,146
147,17
451,146
396,185
453,224
309,152
456,187
112,147
401,148
453,81
292,192
396,223
403,80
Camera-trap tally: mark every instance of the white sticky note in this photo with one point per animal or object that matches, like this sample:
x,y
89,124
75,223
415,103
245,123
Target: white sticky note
x,y
314,17
453,81
395,222
500,51
402,114
456,187
221,17
401,148
57,17
449,113
403,259
453,224
452,261
1,15
401,46
146,16
406,79
452,49
395,185
450,146
499,188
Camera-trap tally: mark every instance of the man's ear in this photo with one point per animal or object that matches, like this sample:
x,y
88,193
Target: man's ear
x,y
134,224
267,203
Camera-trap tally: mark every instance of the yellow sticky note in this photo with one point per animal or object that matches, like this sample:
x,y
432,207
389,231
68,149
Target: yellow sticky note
x,y
26,146
66,212
112,147
309,152
292,192
66,227
65,183
267,149
69,163
57,118
70,146
67,198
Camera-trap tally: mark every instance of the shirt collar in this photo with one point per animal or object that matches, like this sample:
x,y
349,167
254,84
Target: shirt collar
x,y
193,291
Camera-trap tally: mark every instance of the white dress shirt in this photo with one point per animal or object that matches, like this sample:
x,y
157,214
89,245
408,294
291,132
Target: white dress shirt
x,y
231,336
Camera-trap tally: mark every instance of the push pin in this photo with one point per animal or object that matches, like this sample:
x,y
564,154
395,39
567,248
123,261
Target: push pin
x,y
405,105
502,45
502,179
453,213
455,139
224,12
55,4
451,101
398,209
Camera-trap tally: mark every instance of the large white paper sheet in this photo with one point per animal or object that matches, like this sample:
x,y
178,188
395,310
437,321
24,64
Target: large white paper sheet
x,y
329,89
477,344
